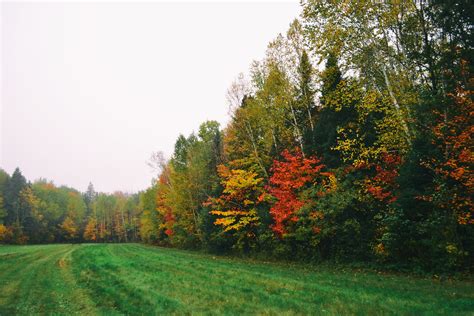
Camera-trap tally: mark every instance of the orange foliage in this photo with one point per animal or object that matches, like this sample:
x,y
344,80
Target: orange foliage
x,y
90,231
454,138
289,177
383,183
69,228
162,204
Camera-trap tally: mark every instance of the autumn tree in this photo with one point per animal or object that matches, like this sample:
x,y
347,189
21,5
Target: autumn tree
x,y
236,209
165,211
69,228
90,231
6,234
149,224
289,177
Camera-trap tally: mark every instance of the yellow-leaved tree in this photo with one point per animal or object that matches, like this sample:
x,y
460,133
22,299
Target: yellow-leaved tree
x,y
236,208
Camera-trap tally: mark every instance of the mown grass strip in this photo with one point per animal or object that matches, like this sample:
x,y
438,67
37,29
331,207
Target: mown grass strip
x,y
108,279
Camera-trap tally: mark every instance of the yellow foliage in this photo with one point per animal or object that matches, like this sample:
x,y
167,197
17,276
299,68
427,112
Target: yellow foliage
x,y
70,228
235,207
5,233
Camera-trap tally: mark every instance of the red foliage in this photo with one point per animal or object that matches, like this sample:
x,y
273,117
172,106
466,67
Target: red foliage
x,y
454,137
289,177
383,183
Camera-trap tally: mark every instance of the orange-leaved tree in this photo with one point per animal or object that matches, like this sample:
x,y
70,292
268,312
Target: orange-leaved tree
x,y
90,231
454,138
69,228
383,183
165,212
290,177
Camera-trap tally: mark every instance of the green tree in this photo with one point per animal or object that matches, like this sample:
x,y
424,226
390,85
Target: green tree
x,y
307,111
89,197
14,186
333,115
192,179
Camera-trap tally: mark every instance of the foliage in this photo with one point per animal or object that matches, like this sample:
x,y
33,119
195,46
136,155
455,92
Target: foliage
x,y
236,209
43,213
454,139
389,116
290,177
5,233
379,91
90,231
69,228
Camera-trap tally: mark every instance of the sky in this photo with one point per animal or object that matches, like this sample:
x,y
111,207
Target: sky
x,y
89,90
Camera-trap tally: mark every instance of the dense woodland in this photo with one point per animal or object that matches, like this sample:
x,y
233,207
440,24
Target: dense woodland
x,y
350,141
40,212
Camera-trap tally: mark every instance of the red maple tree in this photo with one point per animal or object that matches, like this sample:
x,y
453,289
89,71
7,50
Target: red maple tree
x,y
289,177
381,186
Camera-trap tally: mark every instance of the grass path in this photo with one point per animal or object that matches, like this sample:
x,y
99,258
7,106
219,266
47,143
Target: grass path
x,y
136,279
36,280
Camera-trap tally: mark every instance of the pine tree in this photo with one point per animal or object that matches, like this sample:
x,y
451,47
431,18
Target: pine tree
x,y
15,185
307,110
89,197
330,118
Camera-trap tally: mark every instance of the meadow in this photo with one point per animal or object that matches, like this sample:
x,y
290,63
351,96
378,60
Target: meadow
x,y
110,279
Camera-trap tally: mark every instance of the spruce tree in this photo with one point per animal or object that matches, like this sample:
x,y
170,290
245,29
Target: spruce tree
x,y
15,185
330,119
307,110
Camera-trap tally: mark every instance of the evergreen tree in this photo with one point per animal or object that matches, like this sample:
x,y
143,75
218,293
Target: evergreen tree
x,y
89,197
4,177
330,117
14,186
307,110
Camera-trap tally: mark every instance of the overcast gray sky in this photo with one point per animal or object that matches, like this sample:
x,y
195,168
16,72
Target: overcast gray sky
x,y
90,90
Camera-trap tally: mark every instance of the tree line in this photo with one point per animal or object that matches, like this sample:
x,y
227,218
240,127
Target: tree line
x,y
41,212
350,141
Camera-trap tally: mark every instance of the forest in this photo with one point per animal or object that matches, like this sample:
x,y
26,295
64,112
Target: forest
x,y
350,141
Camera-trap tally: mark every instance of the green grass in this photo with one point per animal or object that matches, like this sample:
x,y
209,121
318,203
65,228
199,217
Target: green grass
x,y
136,279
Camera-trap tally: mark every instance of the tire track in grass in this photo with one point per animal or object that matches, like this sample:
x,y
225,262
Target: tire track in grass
x,y
80,296
42,285
11,268
122,273
43,290
110,289
158,303
24,299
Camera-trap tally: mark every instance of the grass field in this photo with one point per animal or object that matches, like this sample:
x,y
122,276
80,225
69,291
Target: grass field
x,y
136,279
